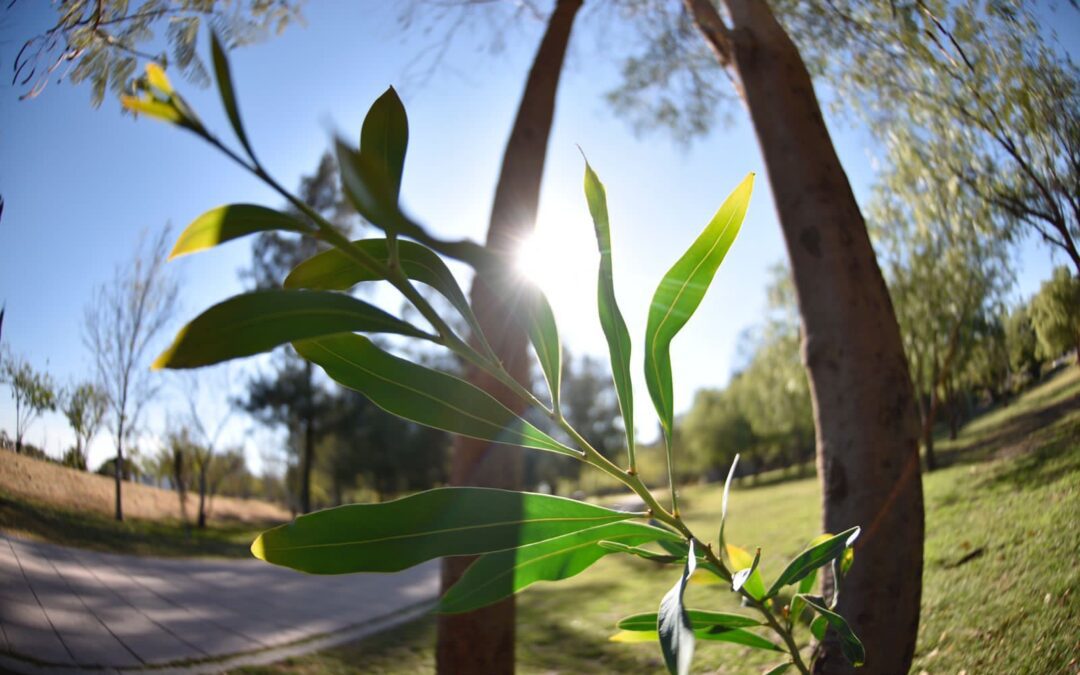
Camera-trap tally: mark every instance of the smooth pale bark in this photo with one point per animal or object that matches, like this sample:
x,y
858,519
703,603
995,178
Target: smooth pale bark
x,y
867,450
483,641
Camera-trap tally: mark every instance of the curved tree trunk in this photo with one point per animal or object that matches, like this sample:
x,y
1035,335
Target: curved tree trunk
x,y
483,641
867,451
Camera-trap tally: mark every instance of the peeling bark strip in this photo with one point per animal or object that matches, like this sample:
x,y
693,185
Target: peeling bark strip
x,y
483,641
860,385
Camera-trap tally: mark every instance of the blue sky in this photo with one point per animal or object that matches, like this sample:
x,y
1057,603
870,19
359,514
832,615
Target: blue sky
x,y
80,184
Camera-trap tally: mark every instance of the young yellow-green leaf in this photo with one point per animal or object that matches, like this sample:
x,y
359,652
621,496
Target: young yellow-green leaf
x,y
392,536
681,291
850,645
817,555
673,626
157,78
611,319
225,88
495,576
423,395
699,619
544,336
740,577
740,560
225,223
385,136
257,322
151,108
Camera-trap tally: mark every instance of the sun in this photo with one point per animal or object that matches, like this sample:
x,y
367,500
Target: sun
x,y
560,257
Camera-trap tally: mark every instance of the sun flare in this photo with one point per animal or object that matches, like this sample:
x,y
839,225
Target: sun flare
x,y
560,257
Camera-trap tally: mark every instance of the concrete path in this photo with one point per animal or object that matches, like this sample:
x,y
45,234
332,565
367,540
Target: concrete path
x,y
67,610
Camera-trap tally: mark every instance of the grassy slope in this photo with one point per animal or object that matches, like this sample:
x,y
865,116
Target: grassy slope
x,y
1003,538
44,501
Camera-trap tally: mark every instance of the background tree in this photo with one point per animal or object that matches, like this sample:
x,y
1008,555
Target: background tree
x,y
121,322
945,266
206,421
1055,315
103,41
32,391
1022,343
84,406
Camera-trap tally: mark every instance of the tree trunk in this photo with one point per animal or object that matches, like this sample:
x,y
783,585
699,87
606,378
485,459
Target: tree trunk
x,y
483,641
118,470
202,494
309,442
867,451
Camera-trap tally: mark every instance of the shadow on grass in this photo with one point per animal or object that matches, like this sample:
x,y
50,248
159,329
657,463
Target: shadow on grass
x,y
1045,458
96,532
1014,437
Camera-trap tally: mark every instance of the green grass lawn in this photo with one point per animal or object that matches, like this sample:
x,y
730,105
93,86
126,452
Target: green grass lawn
x,y
1000,582
90,529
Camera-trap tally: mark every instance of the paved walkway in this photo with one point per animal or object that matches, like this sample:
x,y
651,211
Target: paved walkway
x,y
66,610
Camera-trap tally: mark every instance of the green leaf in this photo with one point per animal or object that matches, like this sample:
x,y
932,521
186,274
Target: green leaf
x,y
798,605
818,627
422,395
741,560
257,322
739,637
370,189
812,558
392,536
673,623
334,269
544,336
733,635
495,576
384,137
777,669
225,89
850,644
611,319
642,553
700,620
739,578
681,291
225,223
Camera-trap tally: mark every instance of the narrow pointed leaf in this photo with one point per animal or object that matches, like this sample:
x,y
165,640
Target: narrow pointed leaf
x,y
392,536
673,623
739,578
333,269
225,88
681,291
699,619
818,627
850,644
157,78
814,557
370,189
157,109
225,223
733,635
798,605
422,395
495,576
544,336
780,668
611,319
257,322
740,560
645,553
738,636
385,136
724,501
